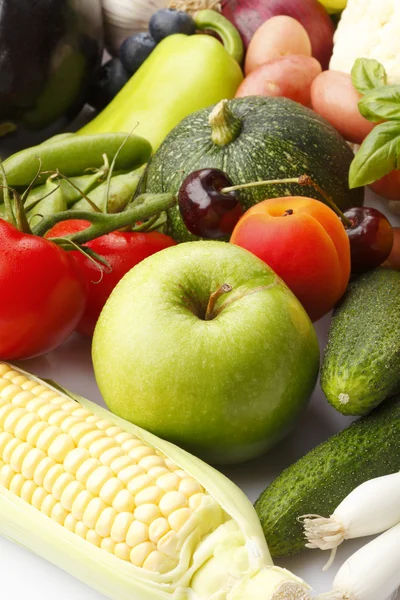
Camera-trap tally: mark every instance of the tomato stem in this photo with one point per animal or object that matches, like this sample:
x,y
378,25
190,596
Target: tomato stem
x,y
146,206
9,213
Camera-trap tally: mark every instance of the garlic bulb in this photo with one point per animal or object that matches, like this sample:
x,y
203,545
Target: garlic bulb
x,y
123,18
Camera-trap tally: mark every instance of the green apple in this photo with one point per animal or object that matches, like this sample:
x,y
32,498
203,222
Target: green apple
x,y
203,345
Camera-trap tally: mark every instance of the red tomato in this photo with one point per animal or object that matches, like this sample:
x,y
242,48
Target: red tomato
x,y
121,250
305,243
42,294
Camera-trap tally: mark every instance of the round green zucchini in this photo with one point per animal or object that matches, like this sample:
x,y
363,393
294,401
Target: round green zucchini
x,y
254,139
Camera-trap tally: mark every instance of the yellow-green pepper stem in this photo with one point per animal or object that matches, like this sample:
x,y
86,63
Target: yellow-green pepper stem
x,y
213,21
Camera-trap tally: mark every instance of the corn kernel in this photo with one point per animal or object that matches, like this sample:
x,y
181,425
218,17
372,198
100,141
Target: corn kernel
x,y
120,527
38,497
126,475
80,504
59,514
27,491
93,512
81,530
159,563
25,424
6,475
34,434
86,468
70,523
10,449
75,459
108,545
42,469
123,501
47,505
105,521
179,517
91,436
158,528
190,486
78,431
110,489
146,513
149,495
98,478
169,544
100,446
16,484
31,462
140,552
60,448
51,477
138,483
110,455
12,419
168,482
171,501
70,494
122,551
47,437
60,485
18,456
93,538
137,533
151,461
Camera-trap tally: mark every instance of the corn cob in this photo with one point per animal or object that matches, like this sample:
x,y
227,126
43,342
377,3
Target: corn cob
x,y
124,511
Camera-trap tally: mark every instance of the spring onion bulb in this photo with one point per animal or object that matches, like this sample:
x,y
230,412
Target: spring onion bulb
x,y
372,573
371,508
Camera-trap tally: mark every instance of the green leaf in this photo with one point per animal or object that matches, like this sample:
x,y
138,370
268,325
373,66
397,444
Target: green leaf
x,y
378,155
381,104
368,74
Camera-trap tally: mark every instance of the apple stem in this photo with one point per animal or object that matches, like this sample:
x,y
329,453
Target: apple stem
x,y
302,180
224,289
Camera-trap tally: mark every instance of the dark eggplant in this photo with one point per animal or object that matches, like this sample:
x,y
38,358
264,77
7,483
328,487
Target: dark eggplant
x,y
49,53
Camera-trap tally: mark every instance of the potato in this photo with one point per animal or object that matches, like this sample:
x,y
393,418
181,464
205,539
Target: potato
x,y
335,98
289,76
389,186
277,37
393,260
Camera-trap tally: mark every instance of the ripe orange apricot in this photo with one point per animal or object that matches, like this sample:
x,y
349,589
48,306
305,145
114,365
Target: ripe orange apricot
x,y
305,243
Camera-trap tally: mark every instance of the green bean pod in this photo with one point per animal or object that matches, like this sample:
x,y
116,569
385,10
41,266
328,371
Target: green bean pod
x,y
73,155
52,203
120,193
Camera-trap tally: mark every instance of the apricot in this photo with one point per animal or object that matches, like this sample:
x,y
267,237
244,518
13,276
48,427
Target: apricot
x,y
305,243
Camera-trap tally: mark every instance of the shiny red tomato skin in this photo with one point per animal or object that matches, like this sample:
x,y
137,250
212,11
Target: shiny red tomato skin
x,y
121,250
42,294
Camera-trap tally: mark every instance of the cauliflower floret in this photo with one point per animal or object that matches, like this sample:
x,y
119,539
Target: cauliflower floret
x,y
369,29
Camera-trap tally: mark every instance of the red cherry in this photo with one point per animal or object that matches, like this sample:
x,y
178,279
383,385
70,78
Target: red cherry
x,y
205,210
371,238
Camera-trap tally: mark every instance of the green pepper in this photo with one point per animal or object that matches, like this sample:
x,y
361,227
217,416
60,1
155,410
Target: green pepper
x,y
183,74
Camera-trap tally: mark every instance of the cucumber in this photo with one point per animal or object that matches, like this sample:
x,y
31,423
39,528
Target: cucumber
x,y
361,363
321,479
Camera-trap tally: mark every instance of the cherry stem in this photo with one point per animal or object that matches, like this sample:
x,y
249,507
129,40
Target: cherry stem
x,y
302,180
146,206
306,180
224,289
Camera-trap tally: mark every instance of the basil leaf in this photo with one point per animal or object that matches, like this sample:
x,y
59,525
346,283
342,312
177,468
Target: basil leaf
x,y
368,74
379,154
381,104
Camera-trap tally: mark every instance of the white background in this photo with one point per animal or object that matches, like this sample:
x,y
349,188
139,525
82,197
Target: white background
x,y
24,575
